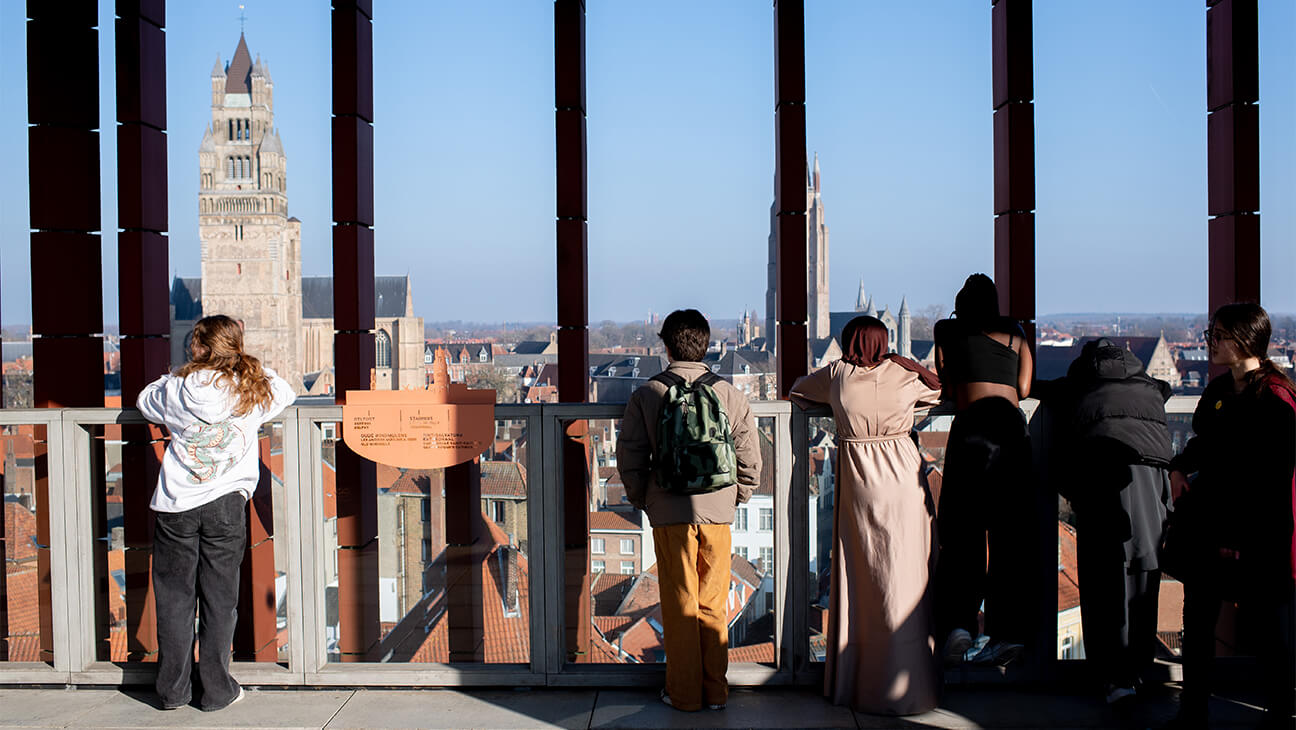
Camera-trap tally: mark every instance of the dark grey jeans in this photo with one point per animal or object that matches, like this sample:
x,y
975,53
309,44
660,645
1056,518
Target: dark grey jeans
x,y
196,559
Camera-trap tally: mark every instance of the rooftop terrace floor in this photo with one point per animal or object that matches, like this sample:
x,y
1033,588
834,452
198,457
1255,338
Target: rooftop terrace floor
x,y
567,708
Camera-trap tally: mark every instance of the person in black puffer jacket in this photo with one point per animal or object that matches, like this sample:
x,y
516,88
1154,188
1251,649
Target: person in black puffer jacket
x,y
1116,448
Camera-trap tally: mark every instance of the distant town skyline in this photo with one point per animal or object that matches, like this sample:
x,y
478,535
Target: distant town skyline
x,y
681,151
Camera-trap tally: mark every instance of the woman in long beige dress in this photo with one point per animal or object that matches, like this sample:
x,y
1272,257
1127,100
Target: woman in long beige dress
x,y
880,648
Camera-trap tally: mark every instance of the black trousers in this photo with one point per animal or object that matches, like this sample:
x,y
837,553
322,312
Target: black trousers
x,y
1118,608
1270,607
985,505
196,560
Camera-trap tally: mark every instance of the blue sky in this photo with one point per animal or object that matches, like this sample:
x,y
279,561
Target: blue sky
x,y
681,150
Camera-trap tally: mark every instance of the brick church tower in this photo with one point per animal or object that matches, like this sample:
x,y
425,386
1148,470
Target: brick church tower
x,y
251,249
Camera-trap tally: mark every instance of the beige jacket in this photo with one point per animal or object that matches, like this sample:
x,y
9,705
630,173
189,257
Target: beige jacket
x,y
638,441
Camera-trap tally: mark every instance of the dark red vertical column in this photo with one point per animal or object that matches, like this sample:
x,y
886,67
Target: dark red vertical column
x,y
353,317
1233,151
793,354
142,284
466,551
66,262
573,309
1014,161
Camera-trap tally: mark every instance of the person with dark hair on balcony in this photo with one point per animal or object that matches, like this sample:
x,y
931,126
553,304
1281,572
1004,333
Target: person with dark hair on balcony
x,y
212,406
1243,454
985,366
881,655
1112,450
689,454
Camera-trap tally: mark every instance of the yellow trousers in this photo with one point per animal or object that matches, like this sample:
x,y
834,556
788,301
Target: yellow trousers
x,y
693,572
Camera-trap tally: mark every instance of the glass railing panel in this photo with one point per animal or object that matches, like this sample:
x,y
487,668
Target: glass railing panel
x,y
453,581
618,555
124,465
23,467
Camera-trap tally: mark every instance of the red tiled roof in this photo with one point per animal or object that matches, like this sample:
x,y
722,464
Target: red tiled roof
x,y
610,520
419,481
611,625
386,475
743,569
503,479
1068,577
641,641
20,527
1170,606
763,653
24,604
330,491
609,589
644,595
506,638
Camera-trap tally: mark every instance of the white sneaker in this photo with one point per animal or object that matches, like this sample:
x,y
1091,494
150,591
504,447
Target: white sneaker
x,y
957,645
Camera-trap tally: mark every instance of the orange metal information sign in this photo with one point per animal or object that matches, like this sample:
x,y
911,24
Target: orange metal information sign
x,y
444,425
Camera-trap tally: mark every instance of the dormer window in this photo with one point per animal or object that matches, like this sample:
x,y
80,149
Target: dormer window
x,y
612,372
481,357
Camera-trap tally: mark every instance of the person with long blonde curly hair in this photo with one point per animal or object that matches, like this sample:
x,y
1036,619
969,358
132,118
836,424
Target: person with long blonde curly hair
x,y
213,406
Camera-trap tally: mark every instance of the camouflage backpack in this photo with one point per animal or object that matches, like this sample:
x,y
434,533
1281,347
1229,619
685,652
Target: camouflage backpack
x,y
695,449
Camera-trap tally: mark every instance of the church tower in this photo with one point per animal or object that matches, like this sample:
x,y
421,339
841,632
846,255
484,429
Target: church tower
x,y
818,325
251,249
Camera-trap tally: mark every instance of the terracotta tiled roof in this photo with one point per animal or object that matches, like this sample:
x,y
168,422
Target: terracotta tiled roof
x,y
610,626
1068,577
1170,606
607,472
330,491
418,481
644,595
763,652
609,589
744,570
20,527
609,520
603,652
24,603
386,475
505,625
503,479
641,640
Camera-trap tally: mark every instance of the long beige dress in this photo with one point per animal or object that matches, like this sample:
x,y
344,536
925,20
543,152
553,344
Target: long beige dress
x,y
880,649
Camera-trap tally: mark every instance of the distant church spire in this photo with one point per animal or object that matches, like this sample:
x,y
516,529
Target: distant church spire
x,y
816,172
861,301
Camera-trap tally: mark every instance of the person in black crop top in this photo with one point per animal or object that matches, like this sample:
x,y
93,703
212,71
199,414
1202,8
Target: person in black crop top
x,y
985,365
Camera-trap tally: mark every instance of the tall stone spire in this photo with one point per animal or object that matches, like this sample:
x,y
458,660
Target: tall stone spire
x,y
816,172
861,300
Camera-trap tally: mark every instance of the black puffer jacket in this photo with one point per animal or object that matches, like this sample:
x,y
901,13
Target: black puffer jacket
x,y
1117,407
1111,448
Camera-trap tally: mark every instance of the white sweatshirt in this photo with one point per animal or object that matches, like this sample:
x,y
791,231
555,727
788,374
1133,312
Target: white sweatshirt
x,y
212,452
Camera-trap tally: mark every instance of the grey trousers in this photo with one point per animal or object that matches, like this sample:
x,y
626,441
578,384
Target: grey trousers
x,y
196,560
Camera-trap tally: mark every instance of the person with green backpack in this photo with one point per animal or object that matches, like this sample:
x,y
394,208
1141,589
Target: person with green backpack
x,y
689,454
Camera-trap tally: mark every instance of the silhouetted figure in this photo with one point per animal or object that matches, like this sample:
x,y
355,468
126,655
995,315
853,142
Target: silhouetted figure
x,y
1243,454
985,365
1112,451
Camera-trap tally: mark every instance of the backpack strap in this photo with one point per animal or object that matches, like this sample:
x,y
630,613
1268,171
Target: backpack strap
x,y
668,379
709,378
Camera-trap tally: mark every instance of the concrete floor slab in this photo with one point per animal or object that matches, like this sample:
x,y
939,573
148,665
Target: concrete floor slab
x,y
438,708
259,709
49,707
767,707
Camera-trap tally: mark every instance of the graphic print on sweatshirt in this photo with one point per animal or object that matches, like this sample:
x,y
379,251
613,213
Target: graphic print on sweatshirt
x,y
212,449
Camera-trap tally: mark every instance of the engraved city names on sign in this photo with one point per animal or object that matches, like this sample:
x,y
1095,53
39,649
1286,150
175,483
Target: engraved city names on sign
x,y
444,425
